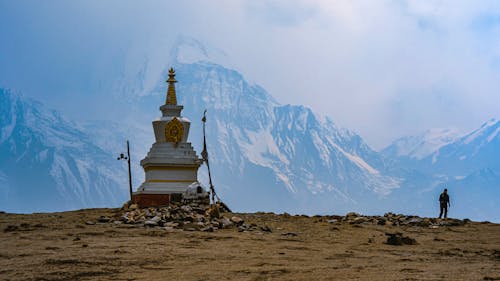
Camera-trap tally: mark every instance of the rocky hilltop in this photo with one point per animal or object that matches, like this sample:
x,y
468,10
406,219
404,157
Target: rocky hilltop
x,y
197,242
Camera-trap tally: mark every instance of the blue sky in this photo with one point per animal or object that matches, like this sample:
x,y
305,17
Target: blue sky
x,y
381,68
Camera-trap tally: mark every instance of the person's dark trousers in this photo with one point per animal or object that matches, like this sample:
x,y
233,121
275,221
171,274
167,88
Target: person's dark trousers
x,y
443,207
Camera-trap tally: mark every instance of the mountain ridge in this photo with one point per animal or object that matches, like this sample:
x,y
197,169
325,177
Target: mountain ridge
x,y
47,160
265,156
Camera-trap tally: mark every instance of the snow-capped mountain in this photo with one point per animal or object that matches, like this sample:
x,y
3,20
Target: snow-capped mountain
x,y
421,146
273,157
469,166
474,151
264,156
48,163
446,153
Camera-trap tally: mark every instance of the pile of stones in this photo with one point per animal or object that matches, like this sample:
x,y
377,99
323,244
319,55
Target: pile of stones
x,y
189,215
398,220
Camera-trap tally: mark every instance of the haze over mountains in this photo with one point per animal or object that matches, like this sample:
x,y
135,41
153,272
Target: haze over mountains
x,y
266,156
48,163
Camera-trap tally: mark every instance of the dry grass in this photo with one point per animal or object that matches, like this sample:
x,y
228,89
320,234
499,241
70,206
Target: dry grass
x,y
60,246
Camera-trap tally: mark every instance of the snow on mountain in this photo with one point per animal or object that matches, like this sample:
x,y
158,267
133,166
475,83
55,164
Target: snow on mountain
x,y
476,150
421,146
469,166
112,136
264,156
188,50
261,149
141,71
48,163
484,135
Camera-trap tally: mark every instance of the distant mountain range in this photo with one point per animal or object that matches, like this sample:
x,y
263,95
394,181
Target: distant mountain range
x,y
469,167
421,146
266,156
48,163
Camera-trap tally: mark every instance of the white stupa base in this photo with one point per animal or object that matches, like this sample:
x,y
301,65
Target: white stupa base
x,y
164,187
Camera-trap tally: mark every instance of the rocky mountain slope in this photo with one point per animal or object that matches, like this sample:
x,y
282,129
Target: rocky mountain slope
x,y
49,164
276,157
421,146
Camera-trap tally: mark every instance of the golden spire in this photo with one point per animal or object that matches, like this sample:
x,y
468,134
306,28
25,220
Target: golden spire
x,y
171,96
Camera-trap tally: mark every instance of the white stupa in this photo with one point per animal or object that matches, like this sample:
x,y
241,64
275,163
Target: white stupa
x,y
171,164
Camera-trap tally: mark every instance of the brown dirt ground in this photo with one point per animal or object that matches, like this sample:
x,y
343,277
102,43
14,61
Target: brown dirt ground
x,y
60,246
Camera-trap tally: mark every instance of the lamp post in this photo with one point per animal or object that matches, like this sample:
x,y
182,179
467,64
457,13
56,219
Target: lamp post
x,y
123,157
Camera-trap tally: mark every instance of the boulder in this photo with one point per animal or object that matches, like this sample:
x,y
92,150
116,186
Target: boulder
x,y
237,220
214,211
397,239
103,219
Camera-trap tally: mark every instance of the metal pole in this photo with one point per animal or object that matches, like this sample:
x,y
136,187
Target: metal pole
x,y
129,172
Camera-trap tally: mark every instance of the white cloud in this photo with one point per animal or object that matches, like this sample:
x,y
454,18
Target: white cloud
x,y
382,68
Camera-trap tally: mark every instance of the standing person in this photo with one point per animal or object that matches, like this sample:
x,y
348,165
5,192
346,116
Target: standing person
x,y
444,203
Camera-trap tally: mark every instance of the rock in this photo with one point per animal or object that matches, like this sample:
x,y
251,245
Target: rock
x,y
103,219
89,223
237,220
186,208
381,221
11,228
289,234
225,223
332,221
199,218
352,214
188,215
358,220
388,215
198,210
128,218
125,206
425,222
398,239
496,254
208,229
415,221
452,222
214,212
171,224
188,218
266,228
150,223
133,207
190,227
